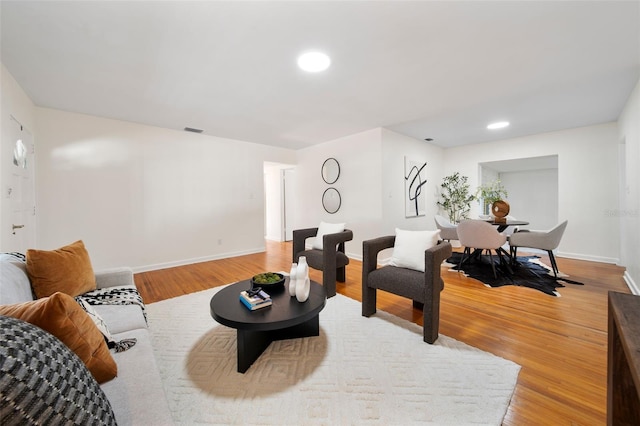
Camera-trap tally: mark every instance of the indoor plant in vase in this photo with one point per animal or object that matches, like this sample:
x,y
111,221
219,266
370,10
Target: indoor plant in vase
x,y
455,197
489,193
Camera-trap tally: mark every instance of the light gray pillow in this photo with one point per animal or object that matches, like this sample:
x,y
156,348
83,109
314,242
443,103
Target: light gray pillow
x,y
16,287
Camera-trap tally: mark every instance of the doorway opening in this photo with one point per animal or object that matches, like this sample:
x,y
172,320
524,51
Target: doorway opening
x,y
279,187
17,180
532,187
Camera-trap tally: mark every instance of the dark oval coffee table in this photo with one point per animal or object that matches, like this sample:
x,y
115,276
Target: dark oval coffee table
x,y
286,318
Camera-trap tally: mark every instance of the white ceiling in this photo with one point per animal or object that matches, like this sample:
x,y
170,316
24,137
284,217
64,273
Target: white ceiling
x,y
441,70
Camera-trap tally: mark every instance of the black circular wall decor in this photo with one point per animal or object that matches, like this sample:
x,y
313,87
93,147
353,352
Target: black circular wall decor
x,y
331,200
330,170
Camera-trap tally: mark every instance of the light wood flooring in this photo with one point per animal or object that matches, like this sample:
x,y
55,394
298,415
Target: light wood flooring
x,y
560,342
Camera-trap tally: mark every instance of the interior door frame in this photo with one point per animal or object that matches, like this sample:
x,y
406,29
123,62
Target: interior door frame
x,y
17,183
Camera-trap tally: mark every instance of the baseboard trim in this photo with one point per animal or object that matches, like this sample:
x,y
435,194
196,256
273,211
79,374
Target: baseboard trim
x,y
354,256
633,286
587,257
157,266
523,250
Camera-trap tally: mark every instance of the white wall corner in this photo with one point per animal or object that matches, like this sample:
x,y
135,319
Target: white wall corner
x,y
633,286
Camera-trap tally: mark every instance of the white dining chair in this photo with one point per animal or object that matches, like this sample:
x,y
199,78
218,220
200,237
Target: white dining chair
x,y
541,240
480,236
448,231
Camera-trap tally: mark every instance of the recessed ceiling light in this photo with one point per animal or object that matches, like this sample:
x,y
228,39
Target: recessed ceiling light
x,y
498,125
314,61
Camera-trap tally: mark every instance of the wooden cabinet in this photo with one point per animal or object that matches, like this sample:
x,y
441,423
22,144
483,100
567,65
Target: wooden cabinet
x,y
623,363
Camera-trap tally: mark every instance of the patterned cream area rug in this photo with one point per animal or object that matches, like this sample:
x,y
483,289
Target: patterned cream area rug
x,y
359,371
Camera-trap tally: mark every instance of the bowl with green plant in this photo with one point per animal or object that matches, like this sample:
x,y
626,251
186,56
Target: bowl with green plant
x,y
268,280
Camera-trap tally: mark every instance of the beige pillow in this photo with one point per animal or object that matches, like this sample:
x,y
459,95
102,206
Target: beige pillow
x,y
63,317
325,229
67,269
409,248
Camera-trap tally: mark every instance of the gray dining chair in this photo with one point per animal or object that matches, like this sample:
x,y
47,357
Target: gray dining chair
x,y
480,236
541,240
448,231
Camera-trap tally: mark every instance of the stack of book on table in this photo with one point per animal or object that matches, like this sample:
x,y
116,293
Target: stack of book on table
x,y
255,300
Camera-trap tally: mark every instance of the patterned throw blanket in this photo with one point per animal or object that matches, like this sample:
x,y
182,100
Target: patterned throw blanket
x,y
123,295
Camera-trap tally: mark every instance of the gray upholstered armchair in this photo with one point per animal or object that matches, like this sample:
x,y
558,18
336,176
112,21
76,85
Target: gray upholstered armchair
x,y
422,287
331,260
541,240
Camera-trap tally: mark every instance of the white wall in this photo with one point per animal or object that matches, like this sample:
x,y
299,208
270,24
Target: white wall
x,y
587,182
371,184
13,102
394,148
629,211
148,197
359,185
540,206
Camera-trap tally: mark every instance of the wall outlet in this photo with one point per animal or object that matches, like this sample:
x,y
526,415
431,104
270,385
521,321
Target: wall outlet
x,y
219,242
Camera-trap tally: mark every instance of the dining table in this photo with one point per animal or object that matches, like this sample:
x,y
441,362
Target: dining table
x,y
504,224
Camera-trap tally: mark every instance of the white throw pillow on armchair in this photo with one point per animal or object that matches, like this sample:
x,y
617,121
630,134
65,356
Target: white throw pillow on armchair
x,y
324,229
408,250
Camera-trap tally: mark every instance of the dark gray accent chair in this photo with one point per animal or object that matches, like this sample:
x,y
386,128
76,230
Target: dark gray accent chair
x,y
331,260
422,287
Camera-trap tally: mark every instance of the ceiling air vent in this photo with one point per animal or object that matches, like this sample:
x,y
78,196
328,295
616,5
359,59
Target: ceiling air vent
x,y
191,129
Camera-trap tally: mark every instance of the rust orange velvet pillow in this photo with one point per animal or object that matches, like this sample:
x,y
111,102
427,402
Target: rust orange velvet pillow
x,y
62,316
67,269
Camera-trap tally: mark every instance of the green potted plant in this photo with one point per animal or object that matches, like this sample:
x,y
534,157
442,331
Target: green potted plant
x,y
489,193
455,197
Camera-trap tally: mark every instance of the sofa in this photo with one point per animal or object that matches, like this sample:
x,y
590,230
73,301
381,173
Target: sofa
x,y
136,393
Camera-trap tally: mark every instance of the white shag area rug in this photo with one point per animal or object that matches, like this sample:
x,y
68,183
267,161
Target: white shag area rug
x,y
359,371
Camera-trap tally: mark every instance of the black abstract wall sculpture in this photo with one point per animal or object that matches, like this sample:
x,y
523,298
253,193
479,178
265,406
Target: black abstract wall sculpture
x,y
414,181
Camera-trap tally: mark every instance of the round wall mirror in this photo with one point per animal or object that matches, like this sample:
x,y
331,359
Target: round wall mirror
x,y
331,200
330,170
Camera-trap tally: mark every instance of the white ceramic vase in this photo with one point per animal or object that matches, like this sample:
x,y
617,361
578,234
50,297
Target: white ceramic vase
x,y
292,279
303,284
